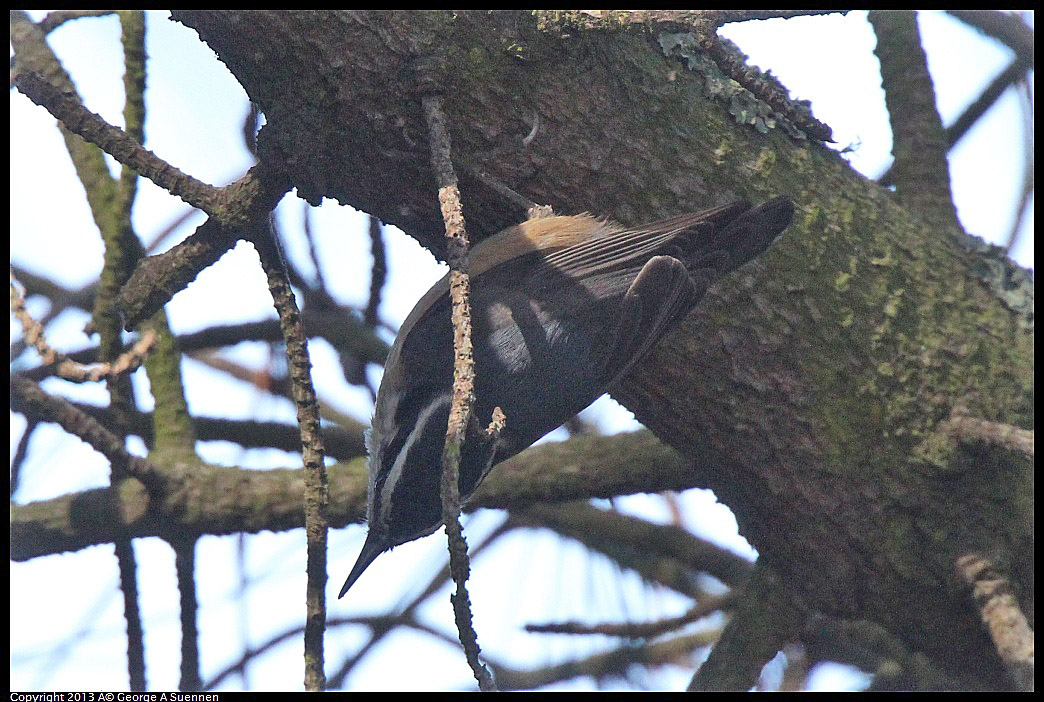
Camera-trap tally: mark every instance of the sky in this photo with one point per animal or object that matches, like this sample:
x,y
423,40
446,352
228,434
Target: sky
x,y
67,625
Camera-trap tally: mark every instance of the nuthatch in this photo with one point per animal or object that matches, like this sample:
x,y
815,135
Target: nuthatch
x,y
561,308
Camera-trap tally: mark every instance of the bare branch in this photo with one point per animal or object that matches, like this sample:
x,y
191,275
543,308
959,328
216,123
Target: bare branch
x,y
967,429
766,618
66,368
639,630
316,495
463,379
922,176
1002,616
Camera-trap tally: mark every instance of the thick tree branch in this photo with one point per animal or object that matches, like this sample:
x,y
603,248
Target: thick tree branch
x,y
219,500
921,172
766,618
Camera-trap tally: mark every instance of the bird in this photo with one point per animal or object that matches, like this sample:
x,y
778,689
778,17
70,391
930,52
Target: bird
x,y
562,307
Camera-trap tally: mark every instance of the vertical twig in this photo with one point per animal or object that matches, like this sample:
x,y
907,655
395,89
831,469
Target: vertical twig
x,y
463,380
1002,615
316,492
185,565
132,23
378,274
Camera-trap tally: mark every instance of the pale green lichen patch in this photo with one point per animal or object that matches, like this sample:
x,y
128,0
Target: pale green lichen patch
x,y
742,104
912,337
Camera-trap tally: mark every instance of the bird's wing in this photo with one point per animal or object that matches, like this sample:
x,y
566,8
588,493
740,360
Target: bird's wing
x,y
662,293
685,237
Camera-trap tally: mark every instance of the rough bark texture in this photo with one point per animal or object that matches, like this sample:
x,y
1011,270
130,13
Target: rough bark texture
x,y
806,388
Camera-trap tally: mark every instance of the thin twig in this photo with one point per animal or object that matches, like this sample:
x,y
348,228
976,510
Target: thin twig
x,y
378,272
21,450
316,490
500,189
30,399
156,279
122,250
231,207
613,664
967,119
639,630
185,567
406,614
1003,617
57,18
115,142
65,367
33,52
463,380
128,569
1007,28
1028,178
